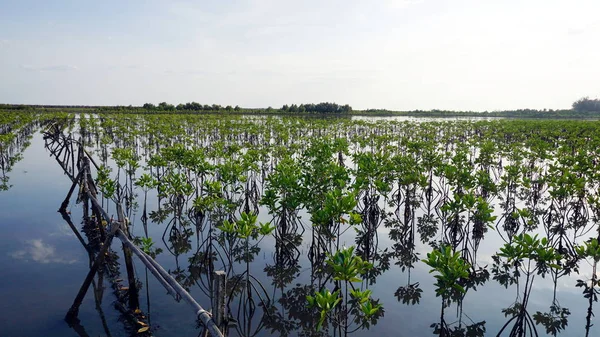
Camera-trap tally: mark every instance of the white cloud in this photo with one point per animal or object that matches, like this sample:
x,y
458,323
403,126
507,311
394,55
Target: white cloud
x,y
41,252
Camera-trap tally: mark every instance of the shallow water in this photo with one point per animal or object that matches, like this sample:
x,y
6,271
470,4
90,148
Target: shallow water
x,y
42,265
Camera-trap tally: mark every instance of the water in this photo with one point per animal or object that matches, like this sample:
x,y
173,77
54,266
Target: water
x,y
42,265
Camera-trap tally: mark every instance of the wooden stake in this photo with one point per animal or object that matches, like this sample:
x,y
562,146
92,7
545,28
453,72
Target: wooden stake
x,y
74,310
219,301
65,203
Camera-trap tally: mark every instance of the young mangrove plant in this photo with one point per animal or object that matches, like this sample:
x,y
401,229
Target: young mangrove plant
x,y
452,271
526,257
246,228
347,304
590,252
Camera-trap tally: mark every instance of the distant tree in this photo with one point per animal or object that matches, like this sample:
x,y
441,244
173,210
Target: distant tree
x,y
164,106
285,107
237,108
229,108
586,104
149,106
193,106
180,107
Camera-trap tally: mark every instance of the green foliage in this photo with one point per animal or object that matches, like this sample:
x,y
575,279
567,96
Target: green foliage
x,y
146,182
527,247
246,227
450,269
106,185
325,301
554,321
346,266
147,246
590,249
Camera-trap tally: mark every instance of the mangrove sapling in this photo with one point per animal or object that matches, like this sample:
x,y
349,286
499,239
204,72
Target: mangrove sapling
x,y
451,271
428,223
126,160
346,268
571,193
486,191
251,190
178,191
478,213
402,222
533,189
590,252
325,302
513,220
231,175
247,228
466,210
210,209
282,197
147,246
528,256
323,182
556,319
107,186
146,182
328,221
459,182
373,181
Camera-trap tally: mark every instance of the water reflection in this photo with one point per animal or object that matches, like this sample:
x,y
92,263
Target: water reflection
x,y
270,280
39,251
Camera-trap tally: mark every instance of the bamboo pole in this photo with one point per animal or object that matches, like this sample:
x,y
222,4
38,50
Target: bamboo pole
x,y
134,302
202,314
144,259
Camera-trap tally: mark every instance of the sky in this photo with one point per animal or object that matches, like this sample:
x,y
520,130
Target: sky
x,y
393,54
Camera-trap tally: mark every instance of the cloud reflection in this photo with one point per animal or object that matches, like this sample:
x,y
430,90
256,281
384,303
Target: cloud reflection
x,y
41,252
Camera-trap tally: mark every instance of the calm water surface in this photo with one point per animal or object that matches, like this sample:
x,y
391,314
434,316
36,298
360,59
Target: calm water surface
x,y
42,266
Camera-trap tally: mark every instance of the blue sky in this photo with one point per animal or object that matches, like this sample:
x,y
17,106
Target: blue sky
x,y
394,54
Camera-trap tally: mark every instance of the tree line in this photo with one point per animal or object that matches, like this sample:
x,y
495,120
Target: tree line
x,y
320,108
583,107
191,106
